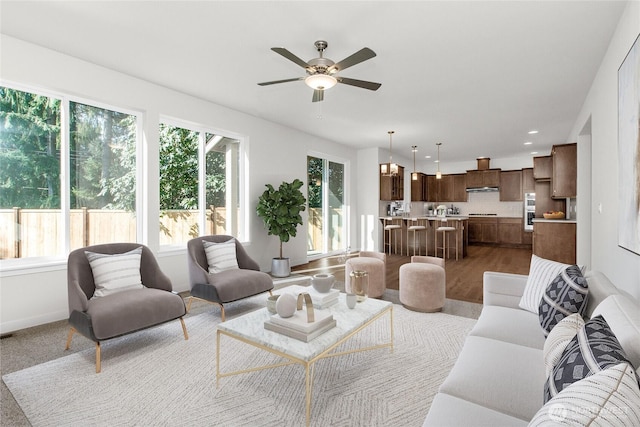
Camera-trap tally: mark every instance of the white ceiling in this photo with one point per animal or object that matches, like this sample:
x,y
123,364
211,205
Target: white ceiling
x,y
475,76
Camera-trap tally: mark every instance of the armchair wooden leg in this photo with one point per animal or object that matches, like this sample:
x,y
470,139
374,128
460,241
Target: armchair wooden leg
x,y
221,311
184,329
189,305
98,366
69,337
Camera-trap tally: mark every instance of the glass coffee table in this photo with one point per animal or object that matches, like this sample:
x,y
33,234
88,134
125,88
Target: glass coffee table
x,y
249,328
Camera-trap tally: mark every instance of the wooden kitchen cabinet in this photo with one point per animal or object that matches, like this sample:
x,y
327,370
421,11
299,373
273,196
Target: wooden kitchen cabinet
x,y
542,168
392,187
483,230
419,189
564,170
528,182
433,189
511,186
459,187
555,240
510,231
544,202
446,189
483,178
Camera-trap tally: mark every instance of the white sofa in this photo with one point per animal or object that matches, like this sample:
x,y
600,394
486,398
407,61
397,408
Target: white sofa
x,y
498,378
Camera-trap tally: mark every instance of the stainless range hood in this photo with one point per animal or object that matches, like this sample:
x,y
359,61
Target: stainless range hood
x,y
482,189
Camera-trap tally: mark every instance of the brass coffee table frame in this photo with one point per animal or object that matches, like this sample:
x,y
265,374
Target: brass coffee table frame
x,y
308,365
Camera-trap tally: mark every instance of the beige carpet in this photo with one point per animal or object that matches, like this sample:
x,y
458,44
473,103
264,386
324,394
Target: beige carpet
x,y
155,377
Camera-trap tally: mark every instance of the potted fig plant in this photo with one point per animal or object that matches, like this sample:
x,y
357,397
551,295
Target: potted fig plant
x,y
280,211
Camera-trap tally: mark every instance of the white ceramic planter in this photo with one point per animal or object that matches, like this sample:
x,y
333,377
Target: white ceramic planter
x,y
322,282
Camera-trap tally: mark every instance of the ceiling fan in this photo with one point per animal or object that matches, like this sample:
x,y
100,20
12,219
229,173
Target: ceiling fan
x,y
322,72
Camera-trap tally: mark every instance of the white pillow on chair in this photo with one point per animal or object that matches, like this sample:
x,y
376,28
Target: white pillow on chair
x,y
115,272
221,256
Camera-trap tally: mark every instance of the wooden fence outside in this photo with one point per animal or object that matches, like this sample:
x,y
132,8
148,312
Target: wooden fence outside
x,y
36,232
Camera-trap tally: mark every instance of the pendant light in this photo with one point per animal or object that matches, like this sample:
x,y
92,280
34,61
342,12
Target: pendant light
x,y
438,173
414,175
389,169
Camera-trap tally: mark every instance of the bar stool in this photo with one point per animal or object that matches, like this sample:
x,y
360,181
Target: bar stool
x,y
445,229
392,226
417,226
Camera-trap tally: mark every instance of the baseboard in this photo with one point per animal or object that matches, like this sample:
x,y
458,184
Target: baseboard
x,y
16,325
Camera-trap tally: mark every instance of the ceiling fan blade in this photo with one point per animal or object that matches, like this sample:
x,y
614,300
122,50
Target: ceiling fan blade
x,y
280,81
318,95
358,57
359,83
290,56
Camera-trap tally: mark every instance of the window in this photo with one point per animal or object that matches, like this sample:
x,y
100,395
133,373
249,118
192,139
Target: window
x,y
200,189
47,211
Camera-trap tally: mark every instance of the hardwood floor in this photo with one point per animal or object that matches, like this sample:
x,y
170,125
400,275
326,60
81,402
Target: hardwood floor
x,y
464,277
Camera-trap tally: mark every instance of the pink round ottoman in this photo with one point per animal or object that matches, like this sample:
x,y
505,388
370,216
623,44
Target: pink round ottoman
x,y
373,266
422,287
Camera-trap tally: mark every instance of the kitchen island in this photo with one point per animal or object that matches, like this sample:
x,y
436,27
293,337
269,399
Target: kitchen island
x,y
460,222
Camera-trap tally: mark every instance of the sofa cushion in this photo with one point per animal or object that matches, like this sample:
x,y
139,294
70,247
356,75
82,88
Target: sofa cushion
x,y
226,284
565,295
623,317
610,397
593,349
541,273
220,256
558,339
115,272
501,376
447,410
509,325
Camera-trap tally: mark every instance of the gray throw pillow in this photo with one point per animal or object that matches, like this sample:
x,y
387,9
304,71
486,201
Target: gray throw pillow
x,y
566,295
594,349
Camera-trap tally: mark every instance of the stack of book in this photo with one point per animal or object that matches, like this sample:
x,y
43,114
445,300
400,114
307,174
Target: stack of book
x,y
297,326
320,300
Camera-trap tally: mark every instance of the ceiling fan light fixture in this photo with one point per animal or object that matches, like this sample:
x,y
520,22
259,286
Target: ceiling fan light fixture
x,y
320,81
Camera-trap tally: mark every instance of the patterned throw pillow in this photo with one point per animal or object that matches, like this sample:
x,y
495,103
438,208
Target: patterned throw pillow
x,y
607,398
221,256
592,350
565,295
558,339
541,273
115,272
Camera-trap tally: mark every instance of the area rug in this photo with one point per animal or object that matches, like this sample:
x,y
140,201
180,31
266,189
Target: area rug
x,y
155,377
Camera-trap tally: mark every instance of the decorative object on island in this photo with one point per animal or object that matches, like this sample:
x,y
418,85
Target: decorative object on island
x,y
389,169
629,150
280,210
323,282
438,173
360,284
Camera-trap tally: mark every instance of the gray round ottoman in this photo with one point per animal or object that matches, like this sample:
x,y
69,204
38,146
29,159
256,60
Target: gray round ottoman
x,y
422,286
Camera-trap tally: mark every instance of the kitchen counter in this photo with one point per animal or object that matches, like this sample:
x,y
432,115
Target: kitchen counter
x,y
563,220
434,222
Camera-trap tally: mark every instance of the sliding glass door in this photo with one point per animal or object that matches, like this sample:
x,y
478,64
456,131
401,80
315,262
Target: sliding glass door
x,y
327,231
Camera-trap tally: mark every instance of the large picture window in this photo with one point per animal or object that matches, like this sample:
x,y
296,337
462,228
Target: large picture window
x,y
199,184
67,180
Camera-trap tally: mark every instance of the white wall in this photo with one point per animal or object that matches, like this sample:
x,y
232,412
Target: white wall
x,y
601,107
275,153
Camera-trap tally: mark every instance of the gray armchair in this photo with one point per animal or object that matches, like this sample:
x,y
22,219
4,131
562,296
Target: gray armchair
x,y
122,312
228,285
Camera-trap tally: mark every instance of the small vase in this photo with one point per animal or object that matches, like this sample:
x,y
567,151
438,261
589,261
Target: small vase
x,y
360,284
322,282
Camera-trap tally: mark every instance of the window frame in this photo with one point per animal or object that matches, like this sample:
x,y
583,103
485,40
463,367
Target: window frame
x,y
202,129
17,266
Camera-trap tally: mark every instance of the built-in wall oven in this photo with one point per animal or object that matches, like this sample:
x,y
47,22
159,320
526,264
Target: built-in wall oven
x,y
529,210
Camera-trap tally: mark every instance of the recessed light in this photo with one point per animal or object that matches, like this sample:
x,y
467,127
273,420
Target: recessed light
x,y
427,157
436,161
534,152
528,143
532,132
